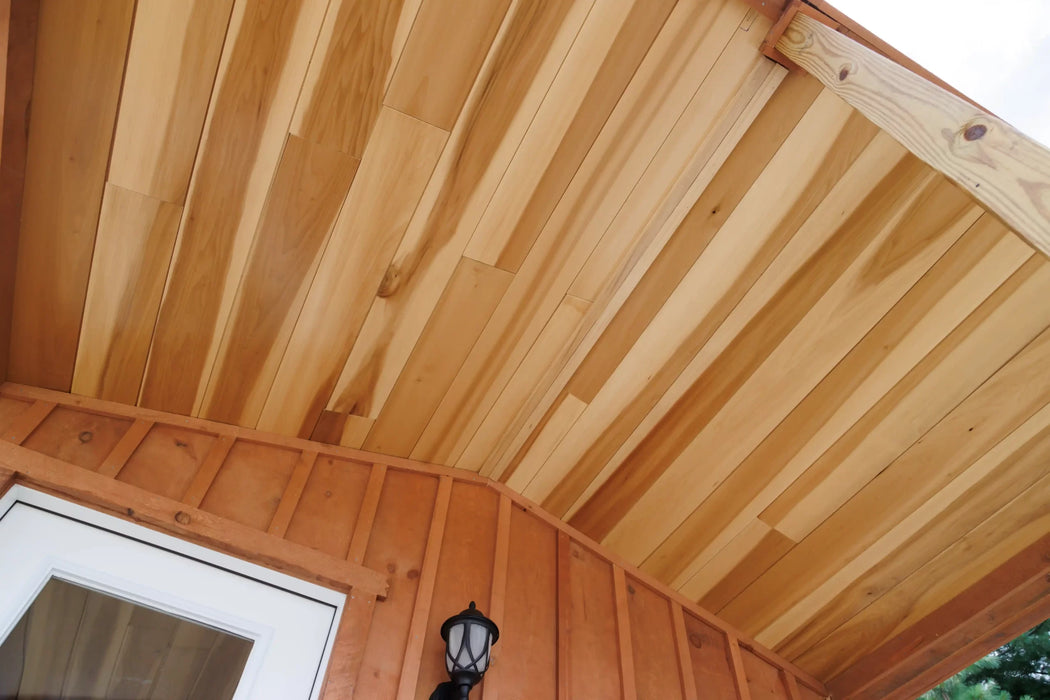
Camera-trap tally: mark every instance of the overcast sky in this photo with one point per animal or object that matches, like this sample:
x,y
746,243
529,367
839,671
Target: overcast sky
x,y
995,51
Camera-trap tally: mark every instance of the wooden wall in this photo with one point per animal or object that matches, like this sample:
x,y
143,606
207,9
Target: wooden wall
x,y
575,622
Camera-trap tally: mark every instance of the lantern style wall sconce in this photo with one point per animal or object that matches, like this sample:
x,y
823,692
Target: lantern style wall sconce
x,y
469,637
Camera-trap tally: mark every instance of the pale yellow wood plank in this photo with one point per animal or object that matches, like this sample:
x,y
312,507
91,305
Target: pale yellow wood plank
x,y
896,498
620,154
523,480
566,99
80,51
396,166
357,52
435,75
528,51
998,165
175,49
924,216
553,341
957,285
725,560
264,59
902,418
741,238
461,314
136,236
698,174
308,189
355,430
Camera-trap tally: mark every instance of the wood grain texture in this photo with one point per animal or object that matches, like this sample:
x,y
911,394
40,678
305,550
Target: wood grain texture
x,y
394,171
998,165
127,501
136,236
434,75
80,53
602,251
510,548
264,59
171,66
305,197
18,58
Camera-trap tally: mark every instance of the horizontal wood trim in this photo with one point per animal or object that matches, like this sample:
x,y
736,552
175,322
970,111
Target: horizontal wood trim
x,y
999,166
163,514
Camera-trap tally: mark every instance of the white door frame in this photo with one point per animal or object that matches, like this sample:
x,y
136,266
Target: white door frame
x,y
291,622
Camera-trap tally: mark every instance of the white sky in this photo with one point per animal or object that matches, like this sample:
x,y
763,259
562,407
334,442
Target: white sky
x,y
997,52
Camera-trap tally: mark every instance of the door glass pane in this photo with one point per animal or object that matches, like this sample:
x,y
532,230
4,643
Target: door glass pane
x,y
74,642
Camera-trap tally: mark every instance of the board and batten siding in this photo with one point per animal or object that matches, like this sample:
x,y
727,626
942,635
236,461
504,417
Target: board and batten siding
x,y
575,622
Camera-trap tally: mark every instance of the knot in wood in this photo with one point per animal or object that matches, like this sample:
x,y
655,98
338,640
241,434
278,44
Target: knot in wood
x,y
85,436
183,518
844,73
695,640
975,132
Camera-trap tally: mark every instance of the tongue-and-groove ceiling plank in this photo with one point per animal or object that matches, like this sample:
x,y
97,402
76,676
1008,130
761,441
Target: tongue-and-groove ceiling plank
x,y
601,250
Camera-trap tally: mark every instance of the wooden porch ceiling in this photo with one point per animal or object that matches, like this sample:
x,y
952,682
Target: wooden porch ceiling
x,y
601,250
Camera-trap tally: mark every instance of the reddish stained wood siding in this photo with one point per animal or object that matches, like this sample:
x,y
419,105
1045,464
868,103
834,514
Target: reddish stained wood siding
x,y
550,595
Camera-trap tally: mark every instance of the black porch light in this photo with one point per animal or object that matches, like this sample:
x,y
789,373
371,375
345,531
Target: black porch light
x,y
469,637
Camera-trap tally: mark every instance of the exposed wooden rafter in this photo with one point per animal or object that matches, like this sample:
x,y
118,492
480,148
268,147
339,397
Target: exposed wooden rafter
x,y
1005,170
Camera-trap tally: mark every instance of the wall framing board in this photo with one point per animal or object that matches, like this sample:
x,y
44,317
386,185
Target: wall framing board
x,y
335,507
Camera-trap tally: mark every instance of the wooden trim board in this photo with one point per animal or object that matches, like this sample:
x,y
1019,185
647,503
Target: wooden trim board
x,y
1004,170
163,514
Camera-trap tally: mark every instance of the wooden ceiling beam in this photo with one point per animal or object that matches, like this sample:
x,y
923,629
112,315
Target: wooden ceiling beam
x,y
1003,169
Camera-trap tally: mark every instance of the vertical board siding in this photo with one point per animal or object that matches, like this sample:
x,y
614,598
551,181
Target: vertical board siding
x,y
328,507
396,549
464,572
181,452
653,644
573,624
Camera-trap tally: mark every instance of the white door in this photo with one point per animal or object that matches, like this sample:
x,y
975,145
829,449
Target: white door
x,y
289,623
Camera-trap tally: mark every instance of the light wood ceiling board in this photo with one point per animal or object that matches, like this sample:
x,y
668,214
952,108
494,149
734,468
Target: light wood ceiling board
x,y
665,336
958,365
174,53
435,75
628,142
397,165
552,342
730,83
524,61
356,53
889,241
998,165
81,47
994,410
308,190
19,52
946,577
609,50
464,309
698,172
764,554
727,558
706,216
991,500
972,269
133,248
260,73
547,438
691,312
